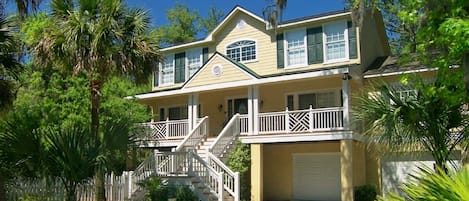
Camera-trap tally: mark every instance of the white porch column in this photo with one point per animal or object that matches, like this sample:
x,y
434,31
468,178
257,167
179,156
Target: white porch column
x,y
195,109
189,112
192,110
345,100
253,109
250,110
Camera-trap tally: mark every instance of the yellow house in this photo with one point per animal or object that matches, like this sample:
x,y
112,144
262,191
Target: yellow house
x,y
284,91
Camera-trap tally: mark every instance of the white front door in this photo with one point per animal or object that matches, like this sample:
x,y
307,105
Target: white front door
x,y
316,176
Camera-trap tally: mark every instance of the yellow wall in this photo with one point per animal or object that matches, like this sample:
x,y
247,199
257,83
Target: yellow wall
x,y
359,164
277,174
257,172
230,73
156,104
210,102
274,96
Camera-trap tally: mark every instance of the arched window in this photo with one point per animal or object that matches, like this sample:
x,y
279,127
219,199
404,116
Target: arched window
x,y
244,50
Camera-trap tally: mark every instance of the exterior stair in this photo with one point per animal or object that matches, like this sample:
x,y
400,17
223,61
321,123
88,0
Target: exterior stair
x,y
200,161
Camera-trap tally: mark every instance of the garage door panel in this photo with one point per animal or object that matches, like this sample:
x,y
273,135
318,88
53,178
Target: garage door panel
x,y
316,177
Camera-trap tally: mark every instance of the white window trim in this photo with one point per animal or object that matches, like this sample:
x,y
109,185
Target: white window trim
x,y
285,49
160,73
296,94
324,39
187,76
240,53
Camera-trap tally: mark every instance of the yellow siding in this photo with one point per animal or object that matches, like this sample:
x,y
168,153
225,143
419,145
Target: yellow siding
x,y
230,73
273,96
278,167
359,168
257,172
210,101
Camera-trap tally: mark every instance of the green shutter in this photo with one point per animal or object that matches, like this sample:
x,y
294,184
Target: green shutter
x,y
205,54
352,40
280,56
155,78
179,74
315,48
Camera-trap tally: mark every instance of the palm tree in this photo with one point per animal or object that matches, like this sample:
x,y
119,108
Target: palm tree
x,y
429,118
99,38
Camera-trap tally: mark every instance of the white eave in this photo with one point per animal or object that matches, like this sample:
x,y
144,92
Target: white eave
x,y
400,73
261,81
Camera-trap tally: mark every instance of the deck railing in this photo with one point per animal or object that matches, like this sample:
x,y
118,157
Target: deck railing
x,y
301,120
165,129
243,123
230,178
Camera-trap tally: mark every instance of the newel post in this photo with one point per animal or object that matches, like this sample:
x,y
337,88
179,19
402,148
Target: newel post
x,y
310,118
167,127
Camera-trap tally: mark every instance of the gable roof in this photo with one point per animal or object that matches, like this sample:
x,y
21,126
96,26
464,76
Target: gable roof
x,y
234,63
389,65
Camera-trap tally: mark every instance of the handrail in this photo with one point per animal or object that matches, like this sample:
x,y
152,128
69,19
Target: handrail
x,y
226,136
146,169
230,178
206,174
195,136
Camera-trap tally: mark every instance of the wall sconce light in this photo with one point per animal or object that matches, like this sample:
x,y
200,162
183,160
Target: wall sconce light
x,y
220,107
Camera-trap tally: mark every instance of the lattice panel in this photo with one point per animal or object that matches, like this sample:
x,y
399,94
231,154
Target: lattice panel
x,y
299,122
158,131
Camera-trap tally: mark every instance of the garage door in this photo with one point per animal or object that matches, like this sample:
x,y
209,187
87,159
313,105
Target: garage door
x,y
397,170
316,176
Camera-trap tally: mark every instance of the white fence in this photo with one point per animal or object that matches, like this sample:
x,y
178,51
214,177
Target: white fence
x,y
54,190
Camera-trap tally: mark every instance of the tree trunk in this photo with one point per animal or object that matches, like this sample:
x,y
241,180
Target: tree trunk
x,y
95,87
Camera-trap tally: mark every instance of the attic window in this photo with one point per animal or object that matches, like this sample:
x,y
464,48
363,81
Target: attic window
x,y
242,51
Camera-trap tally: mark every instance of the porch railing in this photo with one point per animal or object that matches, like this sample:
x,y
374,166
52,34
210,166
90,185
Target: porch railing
x,y
301,120
165,129
230,178
243,123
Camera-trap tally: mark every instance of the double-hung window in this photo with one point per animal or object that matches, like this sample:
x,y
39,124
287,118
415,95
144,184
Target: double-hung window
x,y
242,51
167,70
295,42
193,61
323,99
336,48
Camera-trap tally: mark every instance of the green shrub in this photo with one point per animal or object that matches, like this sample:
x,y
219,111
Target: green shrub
x,y
184,193
155,189
365,193
240,161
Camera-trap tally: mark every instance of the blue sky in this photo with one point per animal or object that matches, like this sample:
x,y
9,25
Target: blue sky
x,y
295,8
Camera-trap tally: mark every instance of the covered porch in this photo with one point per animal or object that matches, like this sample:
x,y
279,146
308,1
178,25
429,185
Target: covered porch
x,y
303,106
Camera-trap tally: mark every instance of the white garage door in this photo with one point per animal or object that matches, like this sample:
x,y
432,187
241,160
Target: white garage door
x,y
316,176
397,170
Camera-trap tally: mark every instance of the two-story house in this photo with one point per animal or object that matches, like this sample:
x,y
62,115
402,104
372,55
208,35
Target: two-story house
x,y
286,92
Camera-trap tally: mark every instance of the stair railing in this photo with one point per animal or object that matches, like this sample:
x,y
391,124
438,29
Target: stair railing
x,y
195,137
230,178
227,136
143,171
208,176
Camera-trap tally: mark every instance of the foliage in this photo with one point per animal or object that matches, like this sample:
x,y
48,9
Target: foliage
x,y
274,11
430,120
184,193
365,193
9,65
182,28
155,189
435,186
240,161
213,19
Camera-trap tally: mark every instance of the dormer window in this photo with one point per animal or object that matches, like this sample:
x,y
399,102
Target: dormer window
x,y
167,70
193,61
242,51
336,46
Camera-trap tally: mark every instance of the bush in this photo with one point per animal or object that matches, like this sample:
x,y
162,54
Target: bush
x,y
240,161
184,193
365,193
155,189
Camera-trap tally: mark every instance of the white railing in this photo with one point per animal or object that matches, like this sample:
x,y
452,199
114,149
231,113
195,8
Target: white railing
x,y
208,176
227,136
165,129
145,170
243,123
195,137
230,178
301,120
